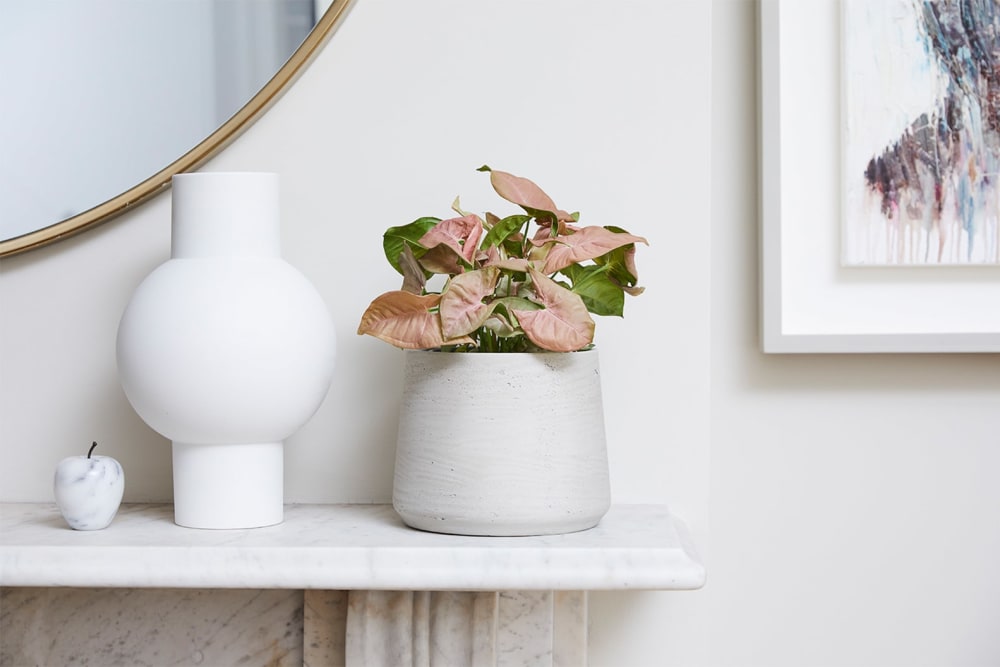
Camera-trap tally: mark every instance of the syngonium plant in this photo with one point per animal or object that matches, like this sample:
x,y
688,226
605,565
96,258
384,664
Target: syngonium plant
x,y
527,282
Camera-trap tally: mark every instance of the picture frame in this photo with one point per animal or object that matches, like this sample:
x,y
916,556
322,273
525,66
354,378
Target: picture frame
x,y
809,301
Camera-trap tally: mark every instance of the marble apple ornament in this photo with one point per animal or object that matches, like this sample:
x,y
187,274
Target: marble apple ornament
x,y
89,490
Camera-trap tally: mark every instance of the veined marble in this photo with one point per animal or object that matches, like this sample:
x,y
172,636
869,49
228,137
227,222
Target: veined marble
x,y
268,628
45,627
342,547
88,490
324,629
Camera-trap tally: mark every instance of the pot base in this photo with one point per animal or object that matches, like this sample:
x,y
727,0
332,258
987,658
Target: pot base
x,y
497,527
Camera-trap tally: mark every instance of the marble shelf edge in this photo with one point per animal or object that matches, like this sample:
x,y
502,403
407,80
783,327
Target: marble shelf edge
x,y
343,547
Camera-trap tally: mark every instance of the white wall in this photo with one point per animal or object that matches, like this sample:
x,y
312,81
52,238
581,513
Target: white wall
x,y
852,499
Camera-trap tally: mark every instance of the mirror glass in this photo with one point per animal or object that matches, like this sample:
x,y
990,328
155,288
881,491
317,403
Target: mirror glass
x,y
100,95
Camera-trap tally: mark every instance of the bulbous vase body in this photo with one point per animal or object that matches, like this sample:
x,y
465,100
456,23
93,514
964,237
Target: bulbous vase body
x,y
501,444
226,349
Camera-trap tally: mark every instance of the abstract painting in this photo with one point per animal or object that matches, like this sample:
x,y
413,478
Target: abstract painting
x,y
921,94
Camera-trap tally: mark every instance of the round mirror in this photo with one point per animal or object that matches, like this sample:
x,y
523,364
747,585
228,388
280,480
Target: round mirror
x,y
106,98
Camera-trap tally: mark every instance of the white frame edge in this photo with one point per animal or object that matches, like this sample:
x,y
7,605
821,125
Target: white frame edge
x,y
774,339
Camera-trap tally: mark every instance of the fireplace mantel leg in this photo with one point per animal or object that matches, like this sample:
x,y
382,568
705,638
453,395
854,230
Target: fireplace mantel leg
x,y
441,629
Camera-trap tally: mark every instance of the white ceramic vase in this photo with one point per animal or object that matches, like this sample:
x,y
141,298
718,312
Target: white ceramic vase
x,y
501,444
226,350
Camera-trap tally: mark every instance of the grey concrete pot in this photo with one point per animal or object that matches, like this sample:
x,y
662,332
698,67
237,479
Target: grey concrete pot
x,y
501,444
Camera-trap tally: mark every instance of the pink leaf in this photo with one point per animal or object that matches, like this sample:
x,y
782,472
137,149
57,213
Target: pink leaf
x,y
460,234
413,275
586,243
524,193
462,307
510,263
629,260
406,320
441,259
564,325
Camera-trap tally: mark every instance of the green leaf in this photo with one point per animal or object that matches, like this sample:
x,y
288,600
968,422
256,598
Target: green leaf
x,y
396,237
504,228
593,284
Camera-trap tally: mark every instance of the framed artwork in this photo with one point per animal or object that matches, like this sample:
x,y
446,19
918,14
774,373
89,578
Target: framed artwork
x,y
879,175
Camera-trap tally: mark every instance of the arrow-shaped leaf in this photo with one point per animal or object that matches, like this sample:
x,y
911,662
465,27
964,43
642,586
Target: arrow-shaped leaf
x,y
526,194
406,320
564,325
459,234
462,307
583,244
504,228
602,295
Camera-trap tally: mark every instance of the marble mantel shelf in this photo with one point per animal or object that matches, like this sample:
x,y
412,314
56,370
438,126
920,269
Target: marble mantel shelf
x,y
342,547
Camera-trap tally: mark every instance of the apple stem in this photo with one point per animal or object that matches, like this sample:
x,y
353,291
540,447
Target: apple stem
x,y
92,449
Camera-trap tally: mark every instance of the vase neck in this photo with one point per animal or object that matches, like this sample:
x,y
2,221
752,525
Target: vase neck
x,y
225,214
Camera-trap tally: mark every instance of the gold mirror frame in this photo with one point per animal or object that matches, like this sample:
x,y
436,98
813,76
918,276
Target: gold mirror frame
x,y
197,156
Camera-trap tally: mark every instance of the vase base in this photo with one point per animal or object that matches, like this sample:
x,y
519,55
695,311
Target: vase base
x,y
228,486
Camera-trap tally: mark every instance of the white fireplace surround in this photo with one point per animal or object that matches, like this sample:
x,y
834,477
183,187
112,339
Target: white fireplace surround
x,y
374,592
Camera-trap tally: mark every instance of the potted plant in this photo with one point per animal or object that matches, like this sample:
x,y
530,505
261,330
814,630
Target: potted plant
x,y
493,443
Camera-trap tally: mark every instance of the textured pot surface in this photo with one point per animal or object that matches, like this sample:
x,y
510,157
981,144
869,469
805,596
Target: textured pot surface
x,y
501,444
